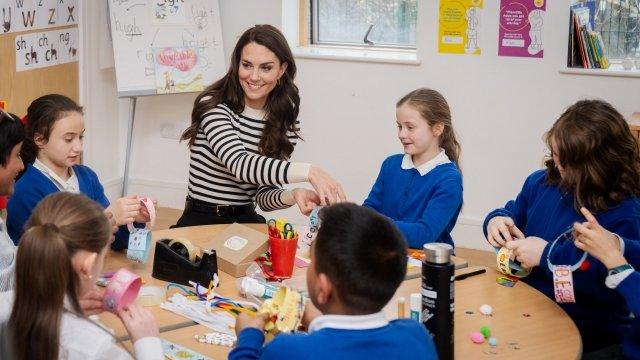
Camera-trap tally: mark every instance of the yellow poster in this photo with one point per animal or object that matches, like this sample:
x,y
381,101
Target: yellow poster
x,y
459,26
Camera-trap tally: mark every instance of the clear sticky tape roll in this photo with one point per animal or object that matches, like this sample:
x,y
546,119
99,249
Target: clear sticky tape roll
x,y
191,250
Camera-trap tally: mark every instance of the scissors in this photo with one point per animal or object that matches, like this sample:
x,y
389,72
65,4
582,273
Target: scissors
x,y
288,232
273,230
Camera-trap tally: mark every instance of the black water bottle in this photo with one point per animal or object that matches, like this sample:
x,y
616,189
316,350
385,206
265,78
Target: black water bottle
x,y
437,297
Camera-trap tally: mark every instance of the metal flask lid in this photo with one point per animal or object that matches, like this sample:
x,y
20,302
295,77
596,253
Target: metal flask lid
x,y
438,253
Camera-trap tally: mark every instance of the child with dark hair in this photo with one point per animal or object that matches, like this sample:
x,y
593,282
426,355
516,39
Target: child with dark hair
x,y
359,259
11,138
52,151
594,164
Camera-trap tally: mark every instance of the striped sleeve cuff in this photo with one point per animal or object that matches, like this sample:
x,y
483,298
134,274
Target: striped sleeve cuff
x,y
271,198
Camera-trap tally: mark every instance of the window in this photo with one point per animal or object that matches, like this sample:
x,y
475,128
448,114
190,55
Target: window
x,y
371,23
618,22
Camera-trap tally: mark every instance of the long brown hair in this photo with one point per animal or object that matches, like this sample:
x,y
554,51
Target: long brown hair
x,y
62,224
598,154
433,107
283,102
42,115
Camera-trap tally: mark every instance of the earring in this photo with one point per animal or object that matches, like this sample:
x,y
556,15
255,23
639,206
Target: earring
x,y
278,82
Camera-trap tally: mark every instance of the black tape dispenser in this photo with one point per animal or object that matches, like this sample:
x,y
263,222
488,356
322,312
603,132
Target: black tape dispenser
x,y
178,261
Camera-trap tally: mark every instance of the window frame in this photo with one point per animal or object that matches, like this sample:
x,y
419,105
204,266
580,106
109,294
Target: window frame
x,y
313,20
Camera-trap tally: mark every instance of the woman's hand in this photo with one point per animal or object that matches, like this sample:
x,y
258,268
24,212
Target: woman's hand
x,y
502,229
139,322
125,210
329,190
305,199
248,321
528,251
599,242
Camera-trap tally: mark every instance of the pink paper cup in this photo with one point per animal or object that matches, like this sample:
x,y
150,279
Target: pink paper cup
x,y
121,291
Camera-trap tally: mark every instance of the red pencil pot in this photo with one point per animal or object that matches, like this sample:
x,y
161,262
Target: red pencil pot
x,y
283,255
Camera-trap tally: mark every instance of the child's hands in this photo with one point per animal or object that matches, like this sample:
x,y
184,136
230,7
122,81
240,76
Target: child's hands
x,y
310,313
143,215
305,199
91,302
602,244
502,229
528,251
139,322
247,321
124,210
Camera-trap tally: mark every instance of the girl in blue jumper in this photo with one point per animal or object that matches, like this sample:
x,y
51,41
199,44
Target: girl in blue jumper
x,y
594,163
52,150
606,247
421,190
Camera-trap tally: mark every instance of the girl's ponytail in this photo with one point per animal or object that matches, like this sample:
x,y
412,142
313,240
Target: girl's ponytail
x,y
46,282
43,266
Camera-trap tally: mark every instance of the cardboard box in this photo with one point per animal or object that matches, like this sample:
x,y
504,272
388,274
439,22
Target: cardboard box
x,y
236,247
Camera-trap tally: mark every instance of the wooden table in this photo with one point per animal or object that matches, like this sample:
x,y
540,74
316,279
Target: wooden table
x,y
527,324
548,332
199,236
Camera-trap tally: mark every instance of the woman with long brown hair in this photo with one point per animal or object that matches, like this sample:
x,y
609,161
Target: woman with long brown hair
x,y
595,164
60,256
421,189
243,130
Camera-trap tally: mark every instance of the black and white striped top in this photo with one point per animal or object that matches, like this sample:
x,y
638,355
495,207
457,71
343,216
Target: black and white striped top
x,y
226,167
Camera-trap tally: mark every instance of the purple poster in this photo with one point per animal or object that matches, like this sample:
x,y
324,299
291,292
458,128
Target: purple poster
x,y
521,28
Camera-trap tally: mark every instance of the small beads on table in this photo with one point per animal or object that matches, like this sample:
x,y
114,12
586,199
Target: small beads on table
x,y
216,338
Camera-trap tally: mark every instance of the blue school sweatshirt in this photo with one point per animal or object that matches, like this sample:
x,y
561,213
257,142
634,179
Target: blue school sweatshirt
x,y
424,208
630,289
400,339
34,186
545,211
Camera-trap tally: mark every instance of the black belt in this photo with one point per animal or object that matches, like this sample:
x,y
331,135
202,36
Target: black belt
x,y
200,206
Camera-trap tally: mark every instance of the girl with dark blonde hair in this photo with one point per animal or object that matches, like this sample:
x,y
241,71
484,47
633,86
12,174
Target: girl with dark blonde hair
x,y
60,256
421,190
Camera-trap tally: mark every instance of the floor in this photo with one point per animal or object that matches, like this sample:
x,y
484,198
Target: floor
x,y
168,216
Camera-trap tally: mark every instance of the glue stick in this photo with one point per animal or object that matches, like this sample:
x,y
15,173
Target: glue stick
x,y
252,286
415,306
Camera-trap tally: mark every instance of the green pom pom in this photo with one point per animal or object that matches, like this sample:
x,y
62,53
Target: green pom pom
x,y
485,331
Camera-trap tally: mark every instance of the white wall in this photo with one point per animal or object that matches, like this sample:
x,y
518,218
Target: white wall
x,y
501,108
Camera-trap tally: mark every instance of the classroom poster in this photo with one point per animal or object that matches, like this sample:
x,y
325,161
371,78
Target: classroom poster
x,y
459,26
178,69
521,28
38,50
24,15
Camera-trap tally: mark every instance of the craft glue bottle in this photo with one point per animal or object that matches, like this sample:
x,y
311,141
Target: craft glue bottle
x,y
248,285
437,296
